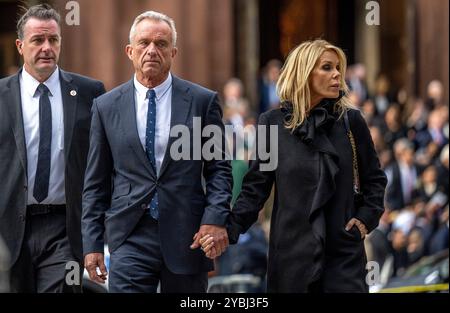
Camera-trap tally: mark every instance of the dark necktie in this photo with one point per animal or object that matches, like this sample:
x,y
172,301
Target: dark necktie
x,y
150,145
41,182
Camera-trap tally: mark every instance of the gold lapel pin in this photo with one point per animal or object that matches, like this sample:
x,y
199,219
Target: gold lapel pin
x,y
73,93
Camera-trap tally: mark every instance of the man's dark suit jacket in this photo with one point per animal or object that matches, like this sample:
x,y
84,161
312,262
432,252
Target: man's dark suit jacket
x,y
120,179
13,156
394,191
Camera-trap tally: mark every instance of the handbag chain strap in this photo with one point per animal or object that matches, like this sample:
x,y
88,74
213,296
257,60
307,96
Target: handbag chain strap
x,y
356,185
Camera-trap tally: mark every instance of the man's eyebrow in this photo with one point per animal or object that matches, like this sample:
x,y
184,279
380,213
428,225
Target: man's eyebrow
x,y
43,35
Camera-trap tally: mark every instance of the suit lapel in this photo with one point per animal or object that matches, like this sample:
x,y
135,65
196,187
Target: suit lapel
x,y
180,108
69,94
127,109
13,104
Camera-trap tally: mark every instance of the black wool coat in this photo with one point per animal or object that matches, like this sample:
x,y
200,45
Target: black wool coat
x,y
313,202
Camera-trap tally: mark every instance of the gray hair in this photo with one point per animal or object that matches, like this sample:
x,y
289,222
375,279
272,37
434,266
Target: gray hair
x,y
156,16
403,144
41,12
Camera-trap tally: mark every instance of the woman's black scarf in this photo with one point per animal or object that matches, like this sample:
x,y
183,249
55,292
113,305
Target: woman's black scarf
x,y
319,120
314,133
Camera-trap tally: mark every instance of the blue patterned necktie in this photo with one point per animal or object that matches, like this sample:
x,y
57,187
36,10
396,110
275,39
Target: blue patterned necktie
x,y
41,182
150,145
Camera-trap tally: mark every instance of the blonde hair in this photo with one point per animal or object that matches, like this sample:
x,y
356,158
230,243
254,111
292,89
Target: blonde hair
x,y
293,84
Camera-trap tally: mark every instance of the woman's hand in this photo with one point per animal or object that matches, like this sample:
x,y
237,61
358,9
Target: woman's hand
x,y
362,228
213,240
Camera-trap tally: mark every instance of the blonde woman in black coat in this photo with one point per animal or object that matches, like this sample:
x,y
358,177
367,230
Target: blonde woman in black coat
x,y
317,232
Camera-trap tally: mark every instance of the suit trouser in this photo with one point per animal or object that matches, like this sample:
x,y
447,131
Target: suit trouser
x,y
44,256
137,266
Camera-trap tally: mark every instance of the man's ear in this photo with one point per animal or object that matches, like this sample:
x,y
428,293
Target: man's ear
x,y
174,52
19,45
129,51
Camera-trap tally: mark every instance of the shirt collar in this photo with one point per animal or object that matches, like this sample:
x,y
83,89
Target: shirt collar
x,y
160,90
405,166
31,83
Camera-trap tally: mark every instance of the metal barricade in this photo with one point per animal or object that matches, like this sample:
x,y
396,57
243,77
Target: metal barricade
x,y
236,283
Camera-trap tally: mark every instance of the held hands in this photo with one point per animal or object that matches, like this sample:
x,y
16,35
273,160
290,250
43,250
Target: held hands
x,y
92,261
362,228
213,240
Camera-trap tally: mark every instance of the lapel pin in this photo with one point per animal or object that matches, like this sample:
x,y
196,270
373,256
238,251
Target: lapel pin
x,y
73,93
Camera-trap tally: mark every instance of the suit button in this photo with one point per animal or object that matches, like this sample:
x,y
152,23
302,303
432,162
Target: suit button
x,y
25,188
22,217
143,206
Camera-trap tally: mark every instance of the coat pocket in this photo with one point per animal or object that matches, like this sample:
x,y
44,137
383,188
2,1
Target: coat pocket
x,y
353,234
121,190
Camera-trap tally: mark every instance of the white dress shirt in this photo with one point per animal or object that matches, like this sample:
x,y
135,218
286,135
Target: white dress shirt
x,y
163,115
408,177
30,110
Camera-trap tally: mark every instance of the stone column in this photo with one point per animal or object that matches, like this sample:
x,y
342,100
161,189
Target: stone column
x,y
367,49
248,47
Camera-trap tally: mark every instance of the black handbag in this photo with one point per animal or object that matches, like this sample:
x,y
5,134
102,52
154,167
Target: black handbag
x,y
357,194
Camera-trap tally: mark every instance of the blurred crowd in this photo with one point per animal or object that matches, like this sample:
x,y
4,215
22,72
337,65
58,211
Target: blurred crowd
x,y
411,137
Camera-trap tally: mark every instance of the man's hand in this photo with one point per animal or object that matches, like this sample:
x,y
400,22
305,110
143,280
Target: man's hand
x,y
92,261
362,228
212,238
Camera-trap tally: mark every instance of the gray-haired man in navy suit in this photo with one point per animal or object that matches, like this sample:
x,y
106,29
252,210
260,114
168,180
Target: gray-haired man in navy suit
x,y
152,208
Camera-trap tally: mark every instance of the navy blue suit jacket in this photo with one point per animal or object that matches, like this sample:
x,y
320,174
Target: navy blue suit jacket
x,y
77,93
120,179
